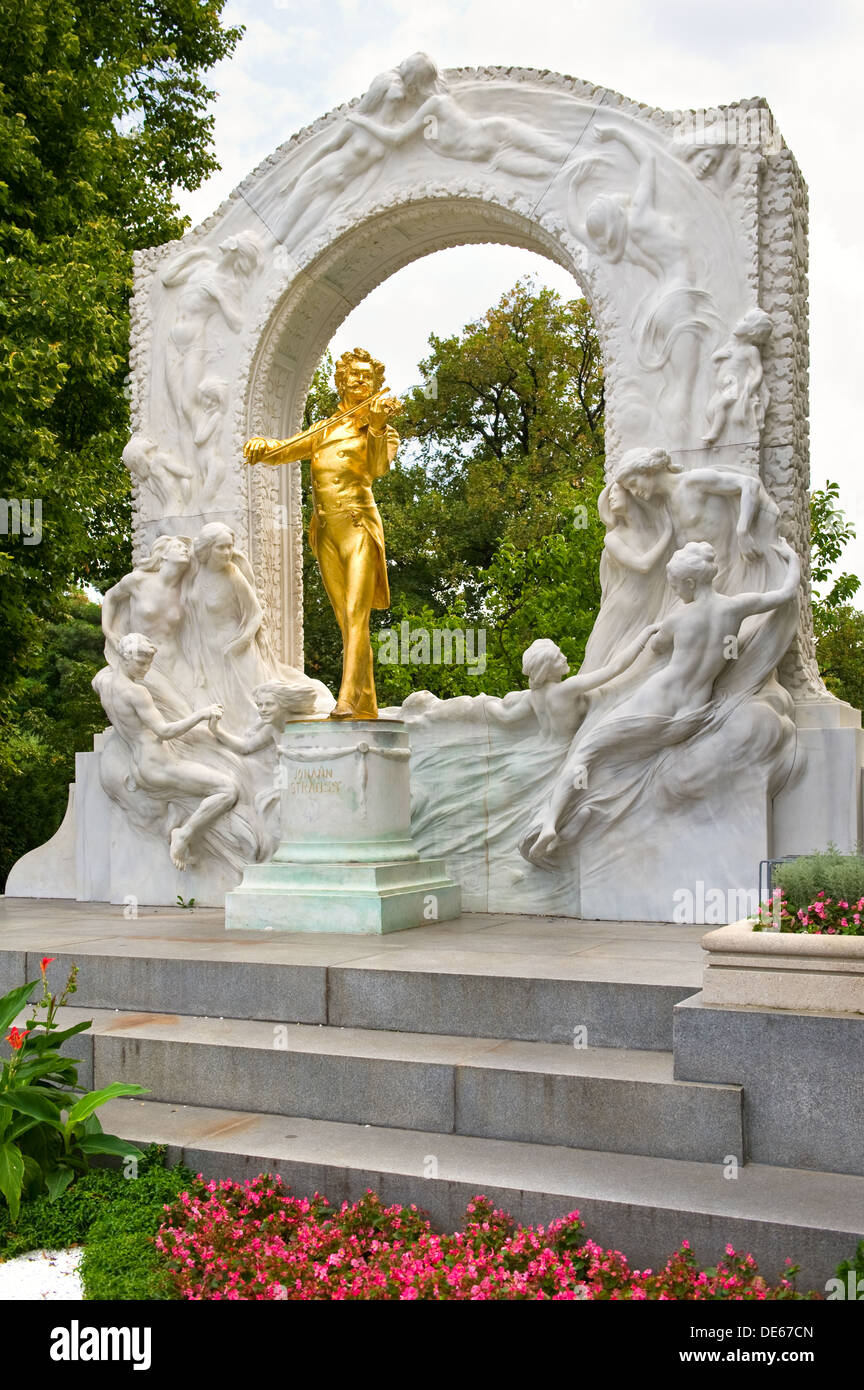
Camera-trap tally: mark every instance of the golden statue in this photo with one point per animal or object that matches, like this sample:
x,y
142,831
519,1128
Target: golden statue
x,y
347,451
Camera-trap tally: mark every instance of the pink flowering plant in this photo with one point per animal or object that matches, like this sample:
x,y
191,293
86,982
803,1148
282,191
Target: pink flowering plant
x,y
837,916
224,1240
48,1128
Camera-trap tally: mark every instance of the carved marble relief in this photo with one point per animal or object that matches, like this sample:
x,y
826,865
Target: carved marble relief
x,y
162,484
740,397
208,303
676,314
676,697
675,244
190,666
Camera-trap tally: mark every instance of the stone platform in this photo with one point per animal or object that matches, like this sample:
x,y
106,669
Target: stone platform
x,y
525,1057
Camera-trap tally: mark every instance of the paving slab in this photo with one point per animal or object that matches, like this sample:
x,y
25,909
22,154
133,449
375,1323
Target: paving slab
x,y
483,974
474,941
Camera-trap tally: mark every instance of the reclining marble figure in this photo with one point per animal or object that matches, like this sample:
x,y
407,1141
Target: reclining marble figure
x,y
698,640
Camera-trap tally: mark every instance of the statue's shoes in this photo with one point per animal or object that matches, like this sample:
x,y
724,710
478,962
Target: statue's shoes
x,y
343,712
348,712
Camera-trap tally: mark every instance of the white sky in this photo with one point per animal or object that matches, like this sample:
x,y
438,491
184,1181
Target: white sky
x,y
297,60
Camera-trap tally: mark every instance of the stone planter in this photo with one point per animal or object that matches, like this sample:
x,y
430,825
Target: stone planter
x,y
783,970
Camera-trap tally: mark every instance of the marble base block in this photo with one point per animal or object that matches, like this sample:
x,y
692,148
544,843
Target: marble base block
x,y
346,861
823,803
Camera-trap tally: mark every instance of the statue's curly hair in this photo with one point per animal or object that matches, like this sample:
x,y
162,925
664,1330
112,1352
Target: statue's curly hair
x,y
640,461
135,644
694,562
343,366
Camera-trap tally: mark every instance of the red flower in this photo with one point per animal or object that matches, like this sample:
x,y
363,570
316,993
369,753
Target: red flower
x,y
45,962
16,1038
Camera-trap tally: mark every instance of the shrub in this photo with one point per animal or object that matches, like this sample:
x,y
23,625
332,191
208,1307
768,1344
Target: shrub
x,y
838,876
226,1241
170,1235
46,1225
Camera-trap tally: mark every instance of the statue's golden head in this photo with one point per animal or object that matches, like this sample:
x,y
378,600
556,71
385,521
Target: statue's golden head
x,y
358,372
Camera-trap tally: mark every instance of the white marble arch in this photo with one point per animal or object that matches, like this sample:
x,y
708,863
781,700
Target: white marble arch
x,y
714,211
687,232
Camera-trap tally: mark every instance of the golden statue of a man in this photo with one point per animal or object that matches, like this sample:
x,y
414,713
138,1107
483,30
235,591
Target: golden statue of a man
x,y
348,451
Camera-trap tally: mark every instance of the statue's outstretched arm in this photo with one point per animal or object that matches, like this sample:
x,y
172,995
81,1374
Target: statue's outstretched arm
x,y
150,717
645,192
393,135
294,450
745,604
251,743
502,713
592,679
179,272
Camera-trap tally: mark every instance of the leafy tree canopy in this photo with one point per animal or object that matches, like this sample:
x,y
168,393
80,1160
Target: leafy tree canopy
x,y
103,112
830,533
838,625
48,715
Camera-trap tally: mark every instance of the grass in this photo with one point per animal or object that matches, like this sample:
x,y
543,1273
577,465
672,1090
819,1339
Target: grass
x,y
113,1217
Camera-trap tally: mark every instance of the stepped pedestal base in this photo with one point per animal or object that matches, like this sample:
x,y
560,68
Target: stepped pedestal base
x,y
375,898
346,861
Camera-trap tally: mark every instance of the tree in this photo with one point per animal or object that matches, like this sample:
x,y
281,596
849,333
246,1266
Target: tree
x,y
840,652
50,713
493,512
837,624
103,112
830,533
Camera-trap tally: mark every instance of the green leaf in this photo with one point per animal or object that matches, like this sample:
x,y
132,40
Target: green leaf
x,y
108,1144
55,1040
28,1101
87,1104
12,1003
37,1068
19,1127
57,1181
11,1177
32,1172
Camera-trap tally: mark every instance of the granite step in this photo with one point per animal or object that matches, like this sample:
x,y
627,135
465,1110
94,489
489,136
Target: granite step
x,y
643,1206
621,1100
466,993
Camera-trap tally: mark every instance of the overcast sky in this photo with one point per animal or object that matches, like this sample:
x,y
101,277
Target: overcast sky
x,y
298,60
